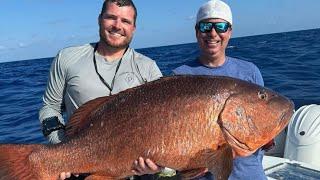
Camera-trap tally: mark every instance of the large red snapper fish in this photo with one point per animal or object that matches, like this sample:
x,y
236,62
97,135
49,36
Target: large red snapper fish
x,y
187,123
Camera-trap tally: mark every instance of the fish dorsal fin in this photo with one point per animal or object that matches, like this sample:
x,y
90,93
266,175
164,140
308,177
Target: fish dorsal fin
x,y
193,173
80,119
220,162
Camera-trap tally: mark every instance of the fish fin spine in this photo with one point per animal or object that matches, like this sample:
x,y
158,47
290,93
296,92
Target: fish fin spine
x,y
81,118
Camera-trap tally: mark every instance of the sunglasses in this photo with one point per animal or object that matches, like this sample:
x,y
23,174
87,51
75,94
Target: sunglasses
x,y
219,27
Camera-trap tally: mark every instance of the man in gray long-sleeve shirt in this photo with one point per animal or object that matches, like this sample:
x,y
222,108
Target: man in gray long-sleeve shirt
x,y
73,80
80,74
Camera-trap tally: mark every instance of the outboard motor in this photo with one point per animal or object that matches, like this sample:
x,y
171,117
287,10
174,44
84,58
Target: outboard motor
x,y
303,137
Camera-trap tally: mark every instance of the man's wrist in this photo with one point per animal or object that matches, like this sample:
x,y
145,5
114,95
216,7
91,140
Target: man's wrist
x,y
51,124
56,137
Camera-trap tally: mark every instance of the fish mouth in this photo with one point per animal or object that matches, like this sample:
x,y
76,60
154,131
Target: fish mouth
x,y
235,142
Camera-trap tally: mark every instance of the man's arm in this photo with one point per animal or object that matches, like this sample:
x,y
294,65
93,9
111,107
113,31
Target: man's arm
x,y
51,112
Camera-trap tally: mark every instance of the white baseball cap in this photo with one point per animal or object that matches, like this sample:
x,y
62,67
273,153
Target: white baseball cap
x,y
215,9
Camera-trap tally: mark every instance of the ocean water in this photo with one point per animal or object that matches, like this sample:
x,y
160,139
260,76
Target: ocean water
x,y
289,62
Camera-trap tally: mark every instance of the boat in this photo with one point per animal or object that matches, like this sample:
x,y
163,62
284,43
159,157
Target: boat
x,y
286,169
297,151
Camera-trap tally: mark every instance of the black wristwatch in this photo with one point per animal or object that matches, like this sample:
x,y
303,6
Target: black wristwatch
x,y
51,124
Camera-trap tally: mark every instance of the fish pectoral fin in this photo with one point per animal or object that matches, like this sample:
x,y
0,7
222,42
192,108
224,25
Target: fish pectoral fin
x,y
221,162
193,173
80,119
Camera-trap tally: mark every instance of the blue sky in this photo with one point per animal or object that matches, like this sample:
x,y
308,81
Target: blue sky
x,y
33,29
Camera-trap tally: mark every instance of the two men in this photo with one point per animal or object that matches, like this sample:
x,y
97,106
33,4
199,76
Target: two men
x,y
79,74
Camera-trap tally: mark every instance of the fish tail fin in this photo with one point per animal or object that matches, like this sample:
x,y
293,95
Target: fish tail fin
x,y
15,163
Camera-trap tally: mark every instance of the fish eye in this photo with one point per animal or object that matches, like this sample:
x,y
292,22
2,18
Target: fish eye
x,y
262,95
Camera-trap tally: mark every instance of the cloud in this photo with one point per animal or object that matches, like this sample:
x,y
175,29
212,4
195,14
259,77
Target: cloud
x,y
22,45
191,18
34,36
72,36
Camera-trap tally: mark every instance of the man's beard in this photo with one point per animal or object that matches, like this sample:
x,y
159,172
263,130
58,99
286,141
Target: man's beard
x,y
124,44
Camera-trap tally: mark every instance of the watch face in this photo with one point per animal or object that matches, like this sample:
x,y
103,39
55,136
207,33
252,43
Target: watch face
x,y
51,124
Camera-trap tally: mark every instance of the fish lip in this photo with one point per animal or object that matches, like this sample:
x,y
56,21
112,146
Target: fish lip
x,y
285,115
234,141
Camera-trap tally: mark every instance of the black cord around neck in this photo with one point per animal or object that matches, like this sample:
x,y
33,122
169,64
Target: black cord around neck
x,y
110,87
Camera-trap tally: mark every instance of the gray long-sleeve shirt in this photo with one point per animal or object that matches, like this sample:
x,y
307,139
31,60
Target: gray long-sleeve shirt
x,y
73,80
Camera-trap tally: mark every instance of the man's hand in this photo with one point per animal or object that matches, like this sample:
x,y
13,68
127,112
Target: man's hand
x,y
65,175
141,167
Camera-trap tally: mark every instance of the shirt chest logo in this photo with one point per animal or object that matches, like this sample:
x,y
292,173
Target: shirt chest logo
x,y
129,78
